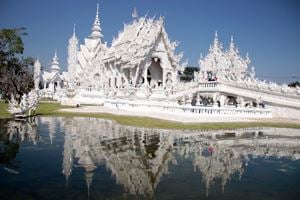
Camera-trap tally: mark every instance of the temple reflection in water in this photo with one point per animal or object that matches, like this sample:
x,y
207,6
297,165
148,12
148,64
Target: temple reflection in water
x,y
138,157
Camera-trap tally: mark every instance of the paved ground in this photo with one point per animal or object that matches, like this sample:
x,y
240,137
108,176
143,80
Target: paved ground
x,y
172,117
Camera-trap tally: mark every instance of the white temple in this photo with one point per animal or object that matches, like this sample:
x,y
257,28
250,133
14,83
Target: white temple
x,y
140,72
50,83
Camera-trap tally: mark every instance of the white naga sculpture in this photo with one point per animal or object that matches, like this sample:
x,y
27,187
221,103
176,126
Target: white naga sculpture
x,y
27,105
29,102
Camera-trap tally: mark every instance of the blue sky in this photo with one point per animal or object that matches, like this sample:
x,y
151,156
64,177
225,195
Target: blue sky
x,y
268,29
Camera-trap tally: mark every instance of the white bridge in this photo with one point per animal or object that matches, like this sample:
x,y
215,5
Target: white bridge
x,y
268,95
148,106
179,101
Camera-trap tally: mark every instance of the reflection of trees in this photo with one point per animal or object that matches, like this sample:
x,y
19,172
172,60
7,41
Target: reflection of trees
x,y
139,157
8,151
16,131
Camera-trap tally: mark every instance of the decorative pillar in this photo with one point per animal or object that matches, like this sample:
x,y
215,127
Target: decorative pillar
x,y
215,97
189,100
145,77
198,99
222,99
183,100
240,102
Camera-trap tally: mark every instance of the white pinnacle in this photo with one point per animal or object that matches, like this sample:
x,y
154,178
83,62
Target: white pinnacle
x,y
135,14
74,30
55,63
96,29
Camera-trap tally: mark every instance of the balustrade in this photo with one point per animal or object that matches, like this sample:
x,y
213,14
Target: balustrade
x,y
189,110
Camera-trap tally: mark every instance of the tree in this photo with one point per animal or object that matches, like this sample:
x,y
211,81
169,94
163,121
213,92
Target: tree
x,y
16,75
188,73
294,84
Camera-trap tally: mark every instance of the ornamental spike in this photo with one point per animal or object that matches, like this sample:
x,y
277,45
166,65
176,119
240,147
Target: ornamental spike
x,y
74,30
135,14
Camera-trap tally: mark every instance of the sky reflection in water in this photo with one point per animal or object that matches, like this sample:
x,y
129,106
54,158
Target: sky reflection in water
x,y
88,158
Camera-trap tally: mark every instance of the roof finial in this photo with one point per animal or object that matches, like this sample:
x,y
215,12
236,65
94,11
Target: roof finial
x,y
97,12
216,40
74,29
135,13
55,54
96,29
97,15
55,63
231,45
248,60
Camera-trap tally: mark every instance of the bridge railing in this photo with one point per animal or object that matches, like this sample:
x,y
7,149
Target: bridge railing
x,y
188,110
212,84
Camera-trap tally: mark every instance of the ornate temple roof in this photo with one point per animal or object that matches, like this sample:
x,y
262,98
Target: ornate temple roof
x,y
54,70
138,39
225,65
50,76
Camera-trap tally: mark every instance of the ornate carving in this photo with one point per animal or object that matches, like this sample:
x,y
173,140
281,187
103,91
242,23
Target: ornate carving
x,y
27,105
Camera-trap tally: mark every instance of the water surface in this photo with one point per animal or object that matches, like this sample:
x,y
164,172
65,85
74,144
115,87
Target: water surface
x,y
88,158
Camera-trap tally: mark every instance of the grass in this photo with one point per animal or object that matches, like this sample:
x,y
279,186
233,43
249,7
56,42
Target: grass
x,y
3,110
52,109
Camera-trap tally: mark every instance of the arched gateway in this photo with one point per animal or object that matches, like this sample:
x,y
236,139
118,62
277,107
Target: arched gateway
x,y
155,73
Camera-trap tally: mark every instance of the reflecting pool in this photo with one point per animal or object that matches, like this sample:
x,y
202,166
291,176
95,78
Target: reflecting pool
x,y
89,158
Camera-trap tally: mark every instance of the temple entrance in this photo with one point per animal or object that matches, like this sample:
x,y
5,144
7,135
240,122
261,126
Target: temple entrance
x,y
55,86
155,73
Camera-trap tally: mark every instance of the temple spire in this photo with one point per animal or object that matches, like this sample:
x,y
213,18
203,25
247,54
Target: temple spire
x,y
55,63
72,57
55,54
74,30
216,46
216,40
96,29
232,46
97,14
55,58
231,42
233,51
247,60
135,14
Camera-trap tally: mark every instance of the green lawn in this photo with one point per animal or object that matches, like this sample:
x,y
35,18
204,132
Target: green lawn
x,y
3,110
51,109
